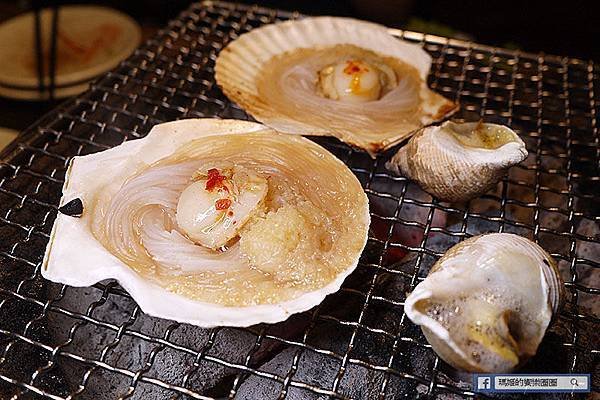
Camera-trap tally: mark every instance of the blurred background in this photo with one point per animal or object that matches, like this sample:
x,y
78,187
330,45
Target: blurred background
x,y
564,28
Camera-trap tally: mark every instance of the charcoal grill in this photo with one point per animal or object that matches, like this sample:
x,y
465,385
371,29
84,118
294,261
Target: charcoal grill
x,y
94,343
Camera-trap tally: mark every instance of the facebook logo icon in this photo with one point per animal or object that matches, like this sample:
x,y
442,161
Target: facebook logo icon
x,y
484,383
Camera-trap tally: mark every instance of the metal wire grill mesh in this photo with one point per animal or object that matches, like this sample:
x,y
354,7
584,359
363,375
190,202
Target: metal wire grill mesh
x,y
62,342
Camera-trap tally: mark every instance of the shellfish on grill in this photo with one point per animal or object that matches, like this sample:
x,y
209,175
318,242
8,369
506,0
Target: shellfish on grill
x,y
486,304
211,222
332,76
459,161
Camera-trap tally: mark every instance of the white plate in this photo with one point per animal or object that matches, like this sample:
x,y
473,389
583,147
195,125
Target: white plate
x,y
34,94
6,136
91,40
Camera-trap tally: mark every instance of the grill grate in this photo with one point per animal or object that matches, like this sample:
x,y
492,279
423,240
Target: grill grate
x,y
63,342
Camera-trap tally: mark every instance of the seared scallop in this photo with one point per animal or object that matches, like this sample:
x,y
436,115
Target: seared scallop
x,y
332,76
212,222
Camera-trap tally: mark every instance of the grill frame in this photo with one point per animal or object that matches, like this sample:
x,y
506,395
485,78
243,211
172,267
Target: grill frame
x,y
170,77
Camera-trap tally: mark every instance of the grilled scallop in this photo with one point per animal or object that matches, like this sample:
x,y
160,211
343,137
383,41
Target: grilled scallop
x,y
486,304
332,76
211,222
456,162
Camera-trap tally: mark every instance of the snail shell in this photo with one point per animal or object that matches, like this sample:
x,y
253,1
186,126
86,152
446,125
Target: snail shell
x,y
456,162
486,304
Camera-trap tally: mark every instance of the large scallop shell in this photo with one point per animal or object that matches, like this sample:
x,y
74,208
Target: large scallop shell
x,y
127,230
272,73
456,162
486,304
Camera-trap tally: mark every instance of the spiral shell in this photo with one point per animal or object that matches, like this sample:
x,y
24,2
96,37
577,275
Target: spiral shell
x,y
456,162
486,304
273,72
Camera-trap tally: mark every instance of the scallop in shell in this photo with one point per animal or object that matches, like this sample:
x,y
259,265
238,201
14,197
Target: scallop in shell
x,y
456,162
487,303
211,222
332,76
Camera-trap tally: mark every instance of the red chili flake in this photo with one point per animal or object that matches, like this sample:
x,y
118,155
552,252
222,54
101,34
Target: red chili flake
x,y
222,204
230,213
215,180
354,68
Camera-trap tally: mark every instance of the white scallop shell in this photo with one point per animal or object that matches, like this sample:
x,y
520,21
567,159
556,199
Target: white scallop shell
x,y
239,65
451,171
75,257
492,263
